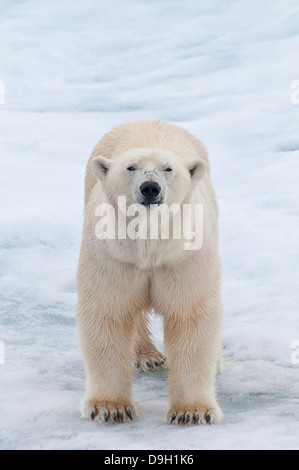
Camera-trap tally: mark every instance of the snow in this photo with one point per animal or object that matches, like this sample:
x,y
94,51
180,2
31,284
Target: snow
x,y
73,70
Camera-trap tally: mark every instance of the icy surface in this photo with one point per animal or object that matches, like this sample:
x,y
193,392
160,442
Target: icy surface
x,y
223,70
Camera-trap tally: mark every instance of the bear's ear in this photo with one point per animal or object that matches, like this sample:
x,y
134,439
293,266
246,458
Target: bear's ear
x,y
197,169
100,167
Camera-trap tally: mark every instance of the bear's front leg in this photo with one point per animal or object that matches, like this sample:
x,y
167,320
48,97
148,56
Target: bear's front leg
x,y
106,339
192,339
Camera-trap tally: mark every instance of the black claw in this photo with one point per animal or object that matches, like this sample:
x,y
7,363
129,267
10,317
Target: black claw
x,y
187,418
114,416
180,419
156,363
149,365
196,419
121,416
208,418
129,413
172,418
106,416
93,415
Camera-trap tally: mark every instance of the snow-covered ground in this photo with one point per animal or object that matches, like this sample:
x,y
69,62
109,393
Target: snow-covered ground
x,y
223,70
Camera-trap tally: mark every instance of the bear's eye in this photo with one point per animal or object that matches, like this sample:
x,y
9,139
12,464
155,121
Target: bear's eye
x,y
131,168
168,169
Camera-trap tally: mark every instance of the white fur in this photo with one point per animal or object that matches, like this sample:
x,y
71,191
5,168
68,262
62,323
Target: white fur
x,y
120,280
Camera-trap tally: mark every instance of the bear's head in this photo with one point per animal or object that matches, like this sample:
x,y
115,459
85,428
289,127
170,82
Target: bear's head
x,y
148,176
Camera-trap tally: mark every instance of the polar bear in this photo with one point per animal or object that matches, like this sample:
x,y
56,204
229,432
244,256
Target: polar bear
x,y
121,279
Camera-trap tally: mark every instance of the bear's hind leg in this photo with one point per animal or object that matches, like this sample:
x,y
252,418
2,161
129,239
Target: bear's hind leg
x,y
147,358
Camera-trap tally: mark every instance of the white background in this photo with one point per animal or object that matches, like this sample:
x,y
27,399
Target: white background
x,y
223,70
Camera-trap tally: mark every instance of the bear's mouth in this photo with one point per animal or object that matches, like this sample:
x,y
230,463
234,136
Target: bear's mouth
x,y
152,204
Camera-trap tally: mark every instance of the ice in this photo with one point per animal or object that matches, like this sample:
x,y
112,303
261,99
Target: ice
x,y
224,71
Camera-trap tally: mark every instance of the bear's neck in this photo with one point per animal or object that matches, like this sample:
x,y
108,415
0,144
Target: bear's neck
x,y
149,237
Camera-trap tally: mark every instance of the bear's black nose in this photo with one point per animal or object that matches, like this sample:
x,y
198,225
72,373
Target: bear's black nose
x,y
150,190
